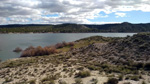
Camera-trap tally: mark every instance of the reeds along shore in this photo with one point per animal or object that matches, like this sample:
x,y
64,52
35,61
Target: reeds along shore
x,y
47,50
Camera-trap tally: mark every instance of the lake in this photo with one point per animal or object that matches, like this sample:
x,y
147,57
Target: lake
x,y
8,42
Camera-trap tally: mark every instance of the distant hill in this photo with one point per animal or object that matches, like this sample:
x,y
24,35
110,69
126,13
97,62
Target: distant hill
x,y
123,27
74,28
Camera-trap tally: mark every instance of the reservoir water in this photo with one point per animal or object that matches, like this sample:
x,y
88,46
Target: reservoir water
x,y
8,42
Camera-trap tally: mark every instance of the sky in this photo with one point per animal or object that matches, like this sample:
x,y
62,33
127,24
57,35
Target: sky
x,y
74,11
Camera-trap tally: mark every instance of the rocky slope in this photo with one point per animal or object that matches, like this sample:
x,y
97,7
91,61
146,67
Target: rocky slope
x,y
98,60
135,48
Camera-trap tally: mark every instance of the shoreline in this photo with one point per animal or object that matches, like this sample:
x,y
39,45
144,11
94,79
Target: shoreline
x,y
68,32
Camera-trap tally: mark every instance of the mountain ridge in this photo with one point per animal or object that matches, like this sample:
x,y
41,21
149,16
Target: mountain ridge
x,y
75,28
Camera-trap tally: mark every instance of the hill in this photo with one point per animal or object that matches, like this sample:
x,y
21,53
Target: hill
x,y
119,50
92,60
74,28
123,27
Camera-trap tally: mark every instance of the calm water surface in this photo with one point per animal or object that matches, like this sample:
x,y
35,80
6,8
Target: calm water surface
x,y
8,42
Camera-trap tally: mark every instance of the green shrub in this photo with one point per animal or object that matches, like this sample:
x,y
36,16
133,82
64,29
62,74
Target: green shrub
x,y
147,66
112,81
143,82
80,68
83,74
32,81
94,81
78,81
50,79
126,83
91,67
8,80
135,77
120,77
65,69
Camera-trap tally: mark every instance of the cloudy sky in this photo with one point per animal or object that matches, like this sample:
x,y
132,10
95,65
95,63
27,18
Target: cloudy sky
x,y
74,11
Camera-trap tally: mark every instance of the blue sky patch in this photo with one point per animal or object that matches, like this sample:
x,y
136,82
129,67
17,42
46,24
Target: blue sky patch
x,y
131,16
50,15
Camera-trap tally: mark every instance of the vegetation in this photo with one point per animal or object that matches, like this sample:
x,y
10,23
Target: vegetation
x,y
49,79
83,74
126,83
78,81
48,50
134,77
143,82
112,81
33,81
62,82
70,28
8,80
38,51
94,81
63,28
118,59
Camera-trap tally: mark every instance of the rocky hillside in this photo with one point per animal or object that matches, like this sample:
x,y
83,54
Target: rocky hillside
x,y
126,50
93,60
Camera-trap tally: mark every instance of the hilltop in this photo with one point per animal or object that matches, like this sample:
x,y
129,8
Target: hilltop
x,y
131,49
92,60
74,28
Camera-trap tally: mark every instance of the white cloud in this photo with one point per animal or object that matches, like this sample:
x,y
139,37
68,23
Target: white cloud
x,y
120,15
75,11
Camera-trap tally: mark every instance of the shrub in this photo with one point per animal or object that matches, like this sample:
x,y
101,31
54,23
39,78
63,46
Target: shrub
x,y
38,51
78,81
62,82
59,45
49,79
135,78
120,77
80,68
83,74
147,66
8,80
92,67
143,82
64,43
126,83
139,65
32,81
112,81
71,44
29,48
17,49
94,81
